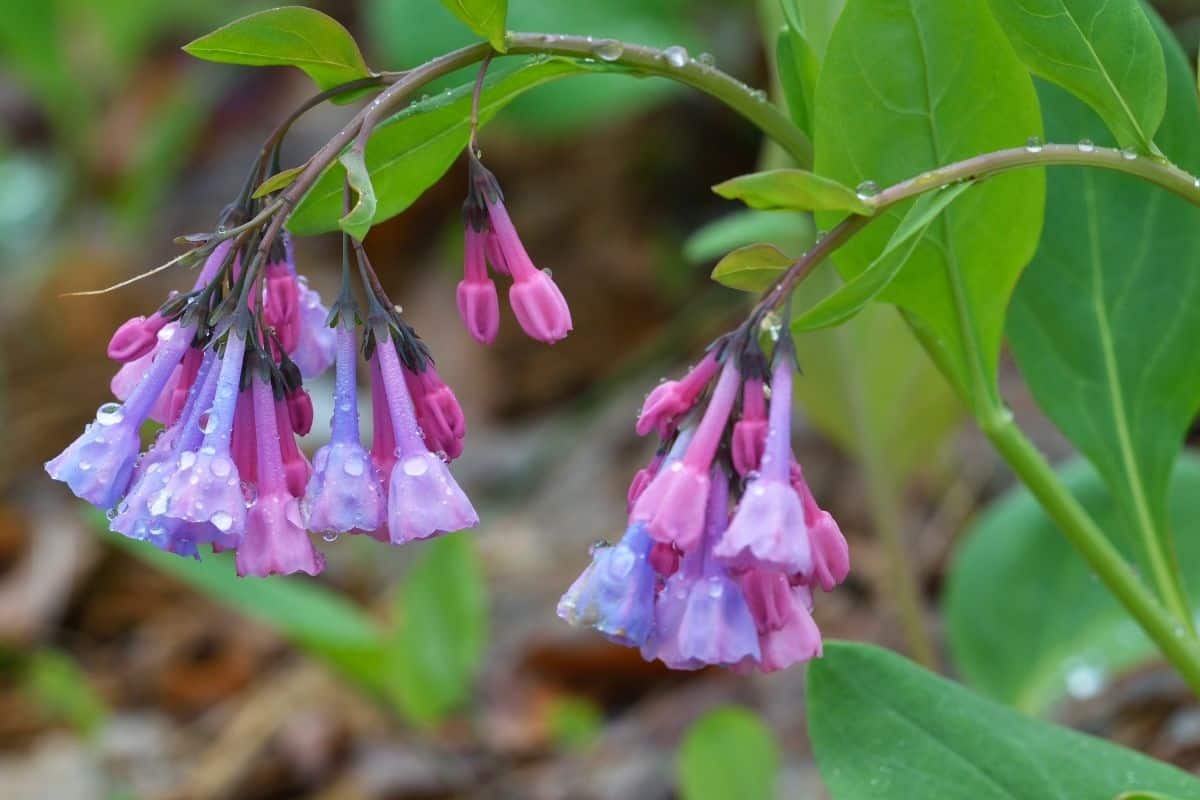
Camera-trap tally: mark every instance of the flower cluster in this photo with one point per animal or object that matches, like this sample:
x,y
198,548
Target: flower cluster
x,y
222,368
725,543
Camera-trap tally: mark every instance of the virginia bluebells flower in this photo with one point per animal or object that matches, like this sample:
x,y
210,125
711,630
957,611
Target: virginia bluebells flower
x,y
615,594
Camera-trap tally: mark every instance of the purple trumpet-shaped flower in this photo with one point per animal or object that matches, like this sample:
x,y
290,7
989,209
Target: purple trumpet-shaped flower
x,y
423,497
782,614
672,505
701,616
315,340
130,375
670,400
615,594
275,541
344,492
98,466
141,515
478,303
206,486
768,528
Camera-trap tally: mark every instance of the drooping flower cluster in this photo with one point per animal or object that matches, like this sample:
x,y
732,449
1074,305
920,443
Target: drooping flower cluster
x,y
222,368
725,543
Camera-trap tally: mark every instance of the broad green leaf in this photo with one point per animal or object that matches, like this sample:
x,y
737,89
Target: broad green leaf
x,y
441,634
485,17
1103,51
1010,637
910,85
798,70
870,387
882,728
280,180
792,232
408,152
751,268
814,19
793,189
1105,322
727,753
1140,795
290,36
314,618
864,287
357,221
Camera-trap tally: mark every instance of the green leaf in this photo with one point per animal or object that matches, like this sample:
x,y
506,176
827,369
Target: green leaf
x,y
357,221
1105,322
751,268
314,618
486,17
439,643
869,386
1013,645
792,232
864,287
1140,795
411,150
794,189
813,19
1103,51
910,85
290,36
727,753
798,70
280,180
882,728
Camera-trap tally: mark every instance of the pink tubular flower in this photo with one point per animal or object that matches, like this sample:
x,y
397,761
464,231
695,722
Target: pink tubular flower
x,y
296,468
438,413
344,492
478,303
750,431
642,479
831,555
98,466
281,303
782,615
135,337
383,440
768,528
275,542
670,400
672,505
423,498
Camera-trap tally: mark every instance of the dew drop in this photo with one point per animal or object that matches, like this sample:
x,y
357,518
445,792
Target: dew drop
x,y
1084,681
772,326
599,544
867,189
706,59
1129,154
222,521
159,506
415,466
111,514
608,50
715,587
1086,146
1033,144
85,465
354,466
208,421
331,537
110,414
676,55
186,459
221,466
621,562
759,95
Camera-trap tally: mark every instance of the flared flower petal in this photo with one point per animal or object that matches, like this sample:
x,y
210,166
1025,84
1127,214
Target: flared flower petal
x,y
615,594
424,500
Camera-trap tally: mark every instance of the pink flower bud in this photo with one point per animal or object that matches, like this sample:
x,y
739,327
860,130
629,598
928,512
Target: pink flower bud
x,y
300,411
479,308
670,400
135,338
540,307
750,431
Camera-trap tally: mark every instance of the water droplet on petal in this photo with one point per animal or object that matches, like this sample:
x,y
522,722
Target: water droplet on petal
x,y
222,521
354,466
715,587
109,414
221,466
417,465
676,55
186,459
208,421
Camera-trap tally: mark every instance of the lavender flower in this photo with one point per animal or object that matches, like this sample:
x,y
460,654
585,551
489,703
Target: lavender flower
x,y
344,492
615,594
423,498
98,466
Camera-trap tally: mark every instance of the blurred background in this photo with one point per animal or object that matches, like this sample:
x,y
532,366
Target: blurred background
x,y
440,669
